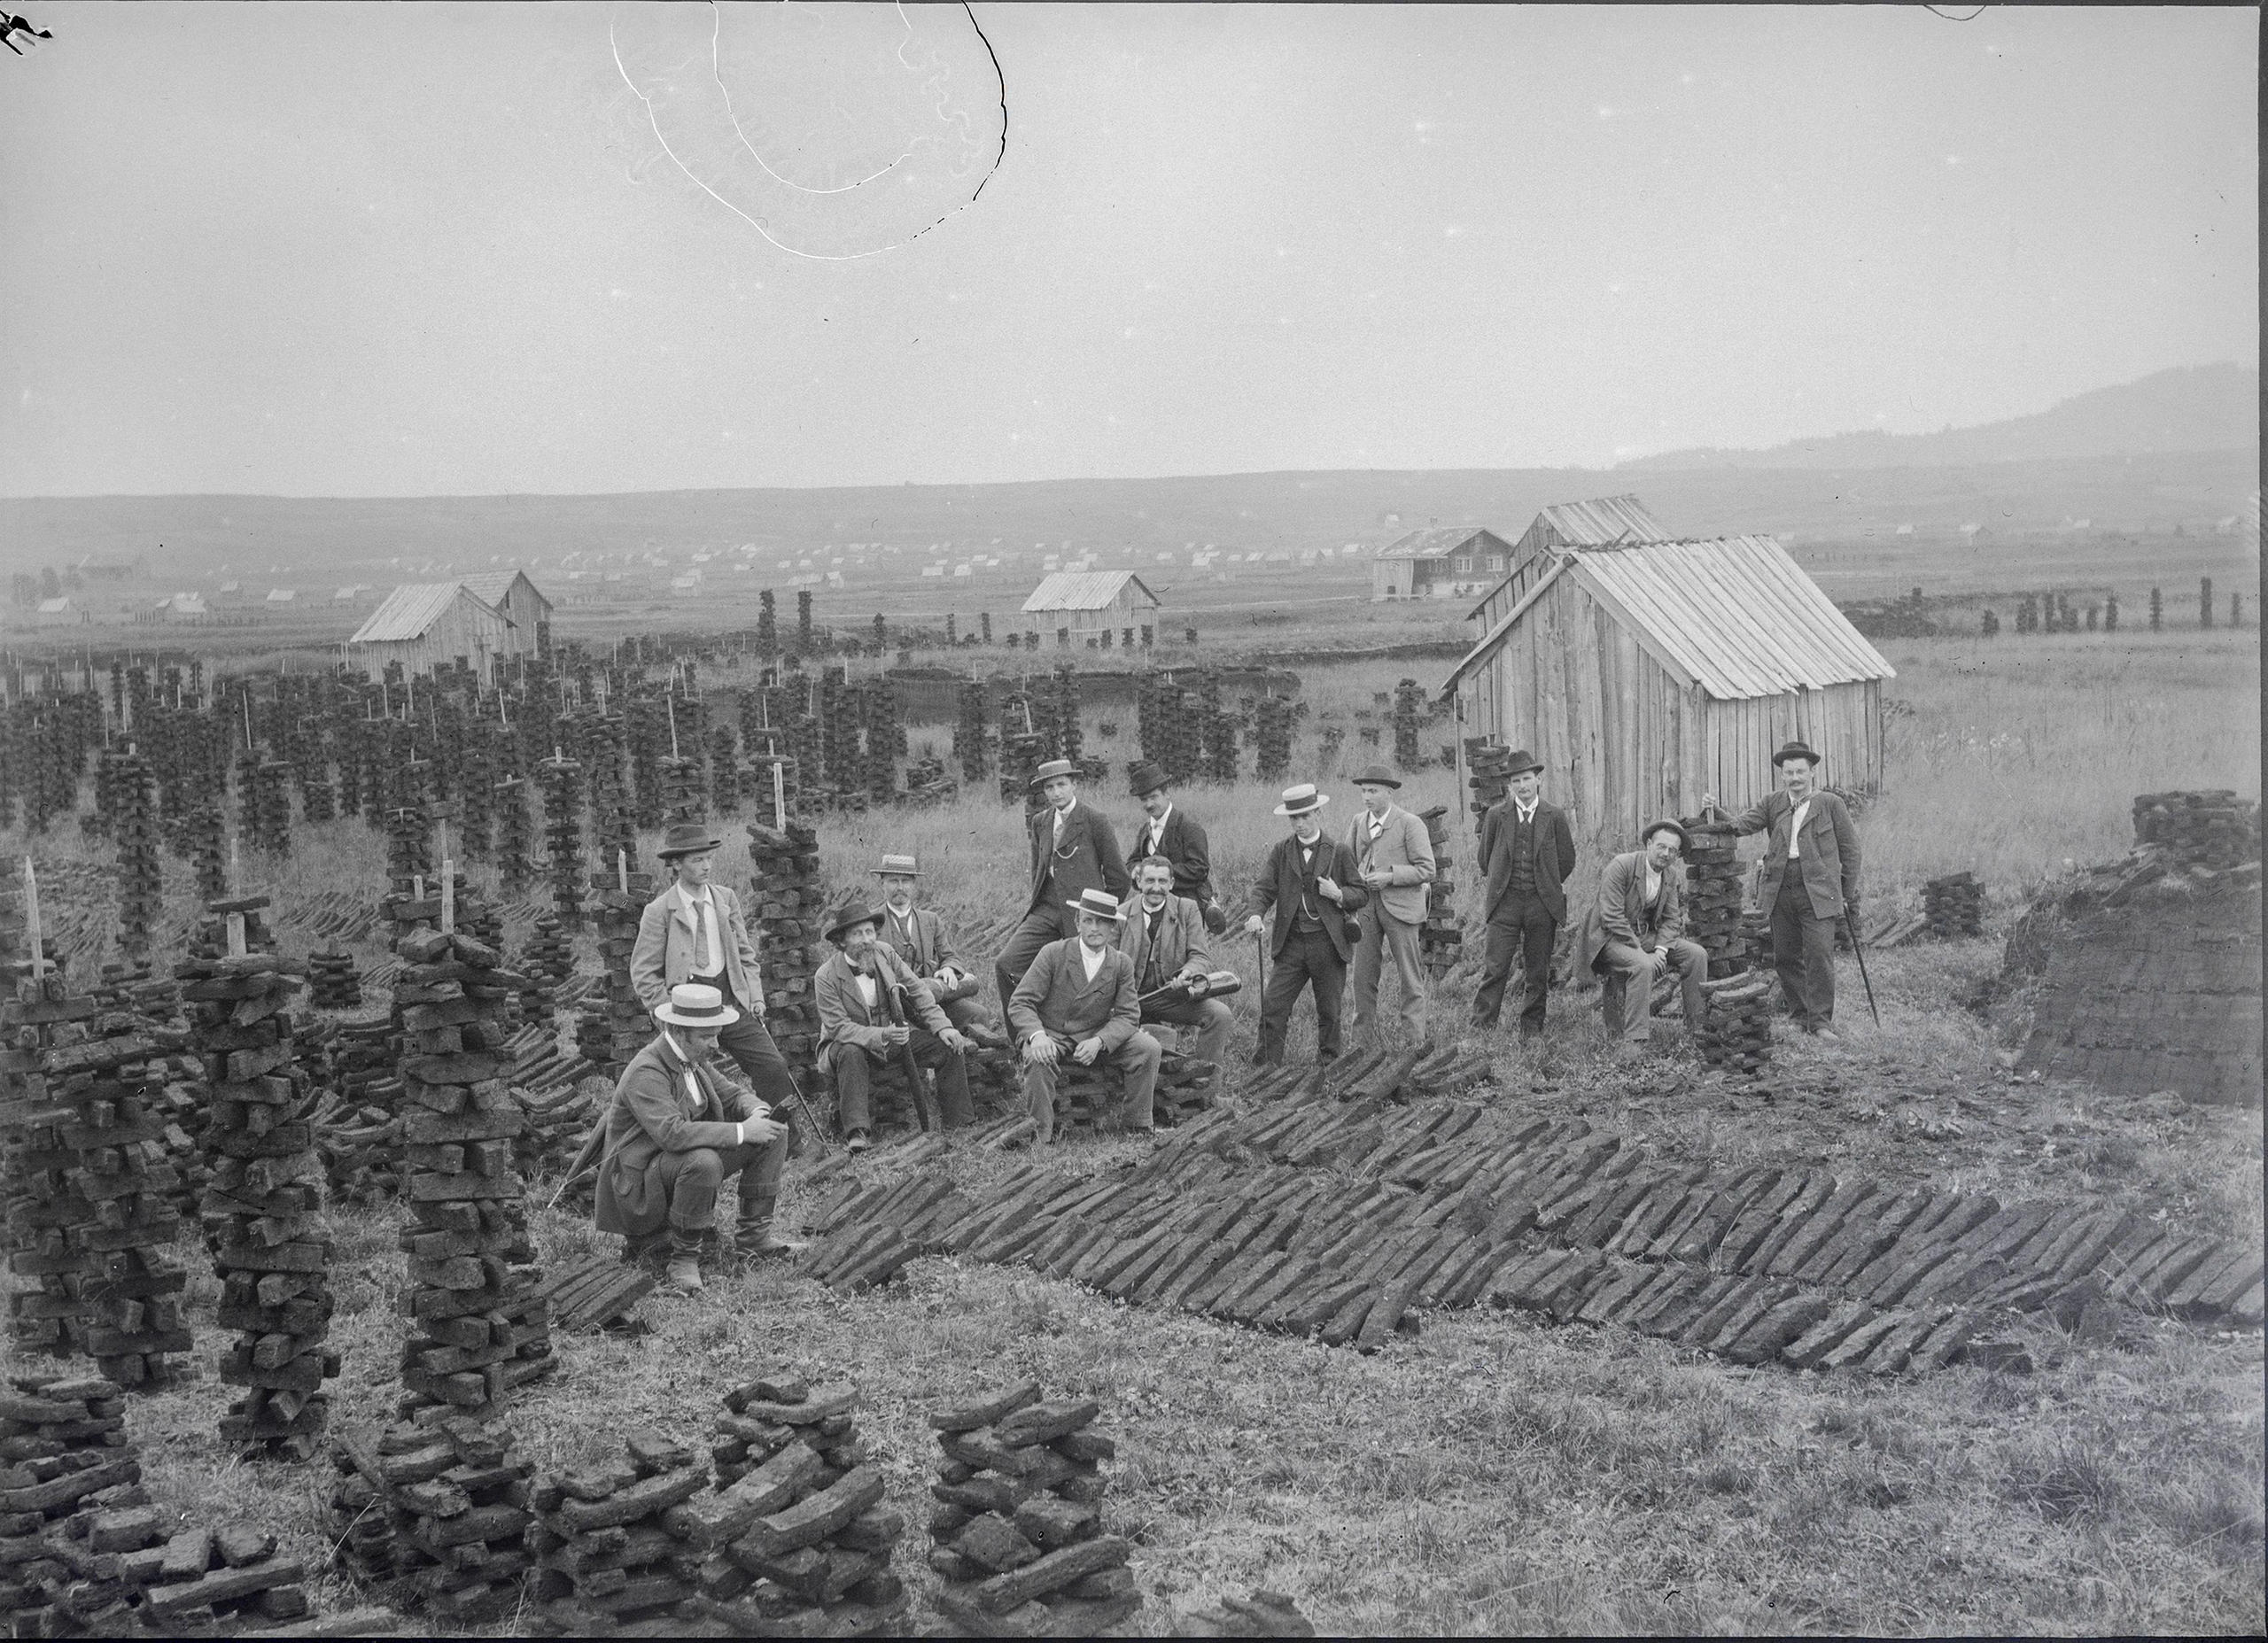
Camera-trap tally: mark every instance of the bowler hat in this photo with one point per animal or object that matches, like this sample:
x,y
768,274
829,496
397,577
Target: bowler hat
x,y
687,839
692,1004
1299,800
849,915
907,865
1378,775
1522,762
1101,903
1054,768
1664,826
1146,779
1797,750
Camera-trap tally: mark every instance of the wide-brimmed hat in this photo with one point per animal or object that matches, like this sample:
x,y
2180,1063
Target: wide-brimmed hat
x,y
1378,775
908,866
687,839
693,1004
1522,762
846,918
1146,779
1054,768
1299,800
1797,750
1664,826
1101,903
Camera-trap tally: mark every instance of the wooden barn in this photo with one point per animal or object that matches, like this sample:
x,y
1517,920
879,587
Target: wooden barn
x,y
1089,602
1645,676
1603,522
520,602
1444,562
427,624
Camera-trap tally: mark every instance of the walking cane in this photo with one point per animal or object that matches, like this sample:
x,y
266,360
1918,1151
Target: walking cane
x,y
1850,925
1260,951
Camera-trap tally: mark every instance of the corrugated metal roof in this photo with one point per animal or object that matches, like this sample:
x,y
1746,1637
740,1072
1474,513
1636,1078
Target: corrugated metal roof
x,y
410,609
1602,520
1438,542
1081,590
1733,615
492,585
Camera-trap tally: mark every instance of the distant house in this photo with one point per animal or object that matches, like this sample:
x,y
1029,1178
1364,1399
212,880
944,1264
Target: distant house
x,y
1089,602
282,595
423,625
522,603
1442,562
184,607
1603,522
55,612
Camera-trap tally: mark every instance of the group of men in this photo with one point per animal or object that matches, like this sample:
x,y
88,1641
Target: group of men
x,y
1105,959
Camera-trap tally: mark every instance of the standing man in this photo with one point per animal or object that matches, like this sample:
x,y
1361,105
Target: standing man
x,y
1077,999
693,933
1072,851
872,1008
1393,855
1171,834
1636,925
1810,879
1311,885
1526,852
1165,938
918,936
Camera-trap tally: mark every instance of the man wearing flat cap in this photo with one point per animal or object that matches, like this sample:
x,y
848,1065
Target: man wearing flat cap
x,y
1526,852
918,935
1077,1000
1393,858
1169,831
1073,850
1635,928
872,1009
1311,885
674,1131
1810,879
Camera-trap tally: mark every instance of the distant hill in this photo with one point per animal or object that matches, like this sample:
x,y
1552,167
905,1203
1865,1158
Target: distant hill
x,y
2202,408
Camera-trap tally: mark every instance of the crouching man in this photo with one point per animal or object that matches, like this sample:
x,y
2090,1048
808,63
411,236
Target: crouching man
x,y
675,1131
1078,1000
872,1011
1637,927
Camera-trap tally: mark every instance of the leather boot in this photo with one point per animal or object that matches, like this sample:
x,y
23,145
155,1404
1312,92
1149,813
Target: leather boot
x,y
684,1270
753,1240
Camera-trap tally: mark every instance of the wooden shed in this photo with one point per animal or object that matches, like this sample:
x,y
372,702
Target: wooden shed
x,y
1442,562
1089,601
520,602
1646,675
427,624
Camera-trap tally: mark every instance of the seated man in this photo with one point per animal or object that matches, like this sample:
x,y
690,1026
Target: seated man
x,y
1165,937
674,1131
1637,925
918,936
869,1003
1079,999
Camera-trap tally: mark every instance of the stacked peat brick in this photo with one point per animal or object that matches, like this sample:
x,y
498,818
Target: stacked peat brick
x,y
1017,1533
43,1317
134,825
361,1140
615,1544
1491,764
548,959
1736,1034
613,1025
1953,906
788,904
1408,714
971,740
563,836
333,982
514,836
1440,939
434,1516
1712,892
2213,829
1272,737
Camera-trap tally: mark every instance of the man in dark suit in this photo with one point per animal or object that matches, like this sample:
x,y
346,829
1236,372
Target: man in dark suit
x,y
1072,850
1077,999
1526,852
1636,928
1311,883
1809,831
918,936
1171,833
872,1009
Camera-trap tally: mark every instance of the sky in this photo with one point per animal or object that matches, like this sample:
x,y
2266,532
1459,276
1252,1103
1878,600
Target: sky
x,y
342,250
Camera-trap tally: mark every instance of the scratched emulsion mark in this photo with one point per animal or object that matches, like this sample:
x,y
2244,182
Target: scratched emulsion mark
x,y
838,131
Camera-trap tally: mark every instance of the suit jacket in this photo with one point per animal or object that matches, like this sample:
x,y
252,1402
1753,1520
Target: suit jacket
x,y
1180,941
655,1111
1184,844
1619,913
1830,851
1055,996
1405,849
1087,859
1555,855
926,949
844,1018
1282,882
662,955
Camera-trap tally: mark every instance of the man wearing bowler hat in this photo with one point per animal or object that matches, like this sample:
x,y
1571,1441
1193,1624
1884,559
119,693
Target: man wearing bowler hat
x,y
693,932
1526,852
1077,999
1311,885
675,1130
872,1008
918,936
1171,833
1394,856
1810,879
1073,850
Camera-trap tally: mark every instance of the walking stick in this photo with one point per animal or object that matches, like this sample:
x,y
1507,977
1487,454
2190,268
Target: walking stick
x,y
1850,925
1260,951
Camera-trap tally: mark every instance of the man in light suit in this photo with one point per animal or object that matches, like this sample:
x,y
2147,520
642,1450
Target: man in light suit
x,y
1165,937
693,932
918,936
1077,999
1526,852
1170,832
1394,856
1636,925
1809,831
872,1010
1073,850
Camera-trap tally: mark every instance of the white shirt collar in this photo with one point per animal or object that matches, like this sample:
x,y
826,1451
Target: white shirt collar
x,y
1158,823
1092,959
698,894
1064,814
1527,811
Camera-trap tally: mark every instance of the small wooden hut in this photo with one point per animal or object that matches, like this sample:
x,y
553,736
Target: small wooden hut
x,y
427,624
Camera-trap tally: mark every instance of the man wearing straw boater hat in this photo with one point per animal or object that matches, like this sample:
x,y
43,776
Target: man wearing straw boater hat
x,y
673,1133
1526,852
1078,1000
1311,884
918,936
1170,832
1394,855
1073,850
872,1011
1810,879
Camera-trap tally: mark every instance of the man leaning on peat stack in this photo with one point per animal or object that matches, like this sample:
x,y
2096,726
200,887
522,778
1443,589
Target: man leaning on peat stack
x,y
1810,879
1393,858
1072,851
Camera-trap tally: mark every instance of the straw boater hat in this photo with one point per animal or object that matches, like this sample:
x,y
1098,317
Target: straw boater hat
x,y
1101,903
1299,800
687,839
1522,762
1378,775
848,918
692,1004
1054,768
1147,778
909,865
1797,750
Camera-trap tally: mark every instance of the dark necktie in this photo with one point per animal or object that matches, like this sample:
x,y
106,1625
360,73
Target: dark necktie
x,y
1150,982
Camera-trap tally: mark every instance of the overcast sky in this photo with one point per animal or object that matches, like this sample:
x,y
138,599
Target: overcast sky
x,y
403,250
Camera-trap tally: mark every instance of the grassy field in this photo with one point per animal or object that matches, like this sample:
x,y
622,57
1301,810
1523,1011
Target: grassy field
x,y
1494,1474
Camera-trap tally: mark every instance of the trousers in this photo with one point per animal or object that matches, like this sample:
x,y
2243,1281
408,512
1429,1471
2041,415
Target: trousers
x,y
1803,953
1308,960
1384,935
1136,1059
1634,969
1522,928
855,1069
1041,925
694,1176
749,1048
1210,1016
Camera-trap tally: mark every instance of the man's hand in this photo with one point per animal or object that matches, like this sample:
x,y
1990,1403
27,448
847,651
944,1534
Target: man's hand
x,y
1193,983
1708,800
1328,887
1088,1052
953,1038
948,976
1254,924
1043,1051
761,1132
